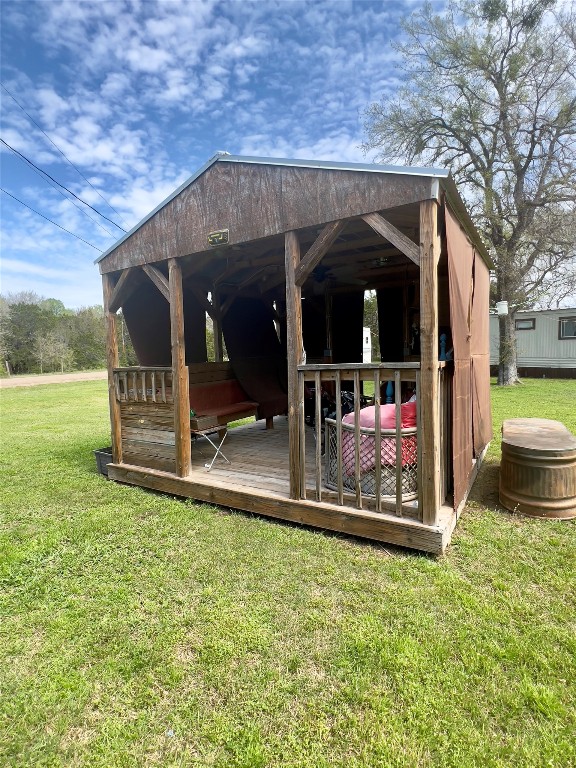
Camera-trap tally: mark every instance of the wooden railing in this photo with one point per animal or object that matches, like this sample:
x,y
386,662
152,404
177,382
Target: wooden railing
x,y
345,467
143,385
146,417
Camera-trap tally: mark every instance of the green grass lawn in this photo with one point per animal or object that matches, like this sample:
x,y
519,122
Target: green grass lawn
x,y
141,630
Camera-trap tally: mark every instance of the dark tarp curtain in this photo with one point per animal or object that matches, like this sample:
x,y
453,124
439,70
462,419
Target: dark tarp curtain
x,y
147,315
256,354
390,323
480,351
347,322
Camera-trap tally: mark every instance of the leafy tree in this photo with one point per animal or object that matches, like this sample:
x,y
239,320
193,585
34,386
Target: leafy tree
x,y
55,306
4,324
38,333
25,323
126,353
491,94
52,352
86,337
41,349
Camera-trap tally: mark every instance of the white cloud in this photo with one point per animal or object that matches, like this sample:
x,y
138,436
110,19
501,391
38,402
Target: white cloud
x,y
139,94
145,58
19,267
115,85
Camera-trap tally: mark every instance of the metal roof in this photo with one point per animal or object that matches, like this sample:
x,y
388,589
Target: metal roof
x,y
442,174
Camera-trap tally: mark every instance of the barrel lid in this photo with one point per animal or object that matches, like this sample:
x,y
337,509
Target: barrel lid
x,y
538,434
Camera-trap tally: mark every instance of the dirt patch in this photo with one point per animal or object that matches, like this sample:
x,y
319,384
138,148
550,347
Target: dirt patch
x,y
51,378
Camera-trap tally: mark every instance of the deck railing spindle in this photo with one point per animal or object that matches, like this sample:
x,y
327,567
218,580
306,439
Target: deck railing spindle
x,y
398,414
378,441
357,477
302,434
419,447
339,438
318,432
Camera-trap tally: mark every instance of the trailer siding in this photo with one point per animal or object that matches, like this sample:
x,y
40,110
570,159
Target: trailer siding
x,y
539,348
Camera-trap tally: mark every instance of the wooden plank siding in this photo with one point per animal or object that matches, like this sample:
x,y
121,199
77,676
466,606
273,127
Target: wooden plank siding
x,y
257,201
148,437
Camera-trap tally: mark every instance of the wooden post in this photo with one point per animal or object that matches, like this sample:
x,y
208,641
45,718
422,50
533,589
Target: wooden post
x,y
429,424
294,353
112,362
179,370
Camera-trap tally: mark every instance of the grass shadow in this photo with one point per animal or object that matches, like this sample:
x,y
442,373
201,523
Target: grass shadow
x,y
485,488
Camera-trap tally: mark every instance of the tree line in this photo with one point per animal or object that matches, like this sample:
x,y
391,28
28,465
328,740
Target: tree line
x,y
40,335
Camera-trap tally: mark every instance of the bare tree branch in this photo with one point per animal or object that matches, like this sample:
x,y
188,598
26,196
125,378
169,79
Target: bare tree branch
x,y
492,94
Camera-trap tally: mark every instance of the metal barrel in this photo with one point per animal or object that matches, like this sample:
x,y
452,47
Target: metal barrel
x,y
538,468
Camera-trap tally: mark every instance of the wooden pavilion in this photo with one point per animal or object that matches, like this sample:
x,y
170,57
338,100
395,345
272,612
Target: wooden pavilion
x,y
275,255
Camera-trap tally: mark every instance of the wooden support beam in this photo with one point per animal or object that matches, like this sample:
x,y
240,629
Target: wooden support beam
x,y
122,290
158,279
198,263
179,370
111,363
294,354
393,235
429,425
317,250
269,278
229,271
250,279
274,282
202,300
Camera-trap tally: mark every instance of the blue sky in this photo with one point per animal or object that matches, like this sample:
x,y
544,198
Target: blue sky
x,y
138,95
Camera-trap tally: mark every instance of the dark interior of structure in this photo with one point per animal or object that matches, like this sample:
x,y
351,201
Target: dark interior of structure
x,y
249,281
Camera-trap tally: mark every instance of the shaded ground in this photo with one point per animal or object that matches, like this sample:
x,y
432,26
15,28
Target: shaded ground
x,y
485,488
51,378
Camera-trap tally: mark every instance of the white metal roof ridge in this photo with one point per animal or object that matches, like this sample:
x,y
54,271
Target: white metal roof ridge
x,y
331,165
404,170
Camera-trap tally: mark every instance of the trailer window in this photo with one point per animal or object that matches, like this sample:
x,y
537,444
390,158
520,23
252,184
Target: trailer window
x,y
567,328
526,324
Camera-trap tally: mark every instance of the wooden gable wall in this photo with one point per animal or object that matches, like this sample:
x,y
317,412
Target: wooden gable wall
x,y
256,201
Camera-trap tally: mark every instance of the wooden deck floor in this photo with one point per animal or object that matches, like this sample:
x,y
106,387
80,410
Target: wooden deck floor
x,y
257,480
258,456
259,460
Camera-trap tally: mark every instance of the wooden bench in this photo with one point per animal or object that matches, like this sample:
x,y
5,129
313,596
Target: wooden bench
x,y
216,397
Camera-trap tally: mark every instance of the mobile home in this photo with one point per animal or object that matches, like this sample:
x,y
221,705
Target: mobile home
x,y
545,343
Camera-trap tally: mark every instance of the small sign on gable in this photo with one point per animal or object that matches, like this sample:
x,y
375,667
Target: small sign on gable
x,y
220,237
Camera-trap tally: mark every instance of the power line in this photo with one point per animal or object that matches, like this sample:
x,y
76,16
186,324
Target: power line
x,y
50,220
47,175
29,116
54,185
